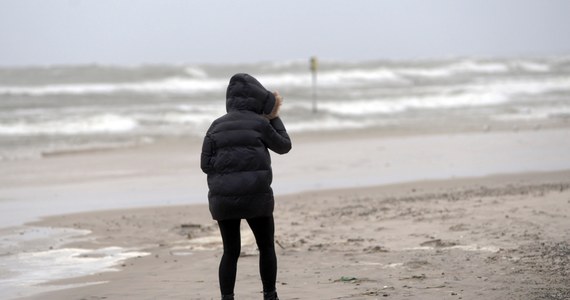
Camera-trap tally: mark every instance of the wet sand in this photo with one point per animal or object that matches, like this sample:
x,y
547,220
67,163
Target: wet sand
x,y
168,173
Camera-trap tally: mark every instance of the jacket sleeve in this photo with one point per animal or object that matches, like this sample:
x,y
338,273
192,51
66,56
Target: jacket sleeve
x,y
276,137
208,149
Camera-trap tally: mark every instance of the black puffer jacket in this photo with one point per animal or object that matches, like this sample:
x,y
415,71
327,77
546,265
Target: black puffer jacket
x,y
235,155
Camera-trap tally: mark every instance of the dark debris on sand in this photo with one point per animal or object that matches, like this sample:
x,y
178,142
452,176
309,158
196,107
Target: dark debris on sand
x,y
547,267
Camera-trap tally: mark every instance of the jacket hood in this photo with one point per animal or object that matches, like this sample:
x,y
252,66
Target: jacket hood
x,y
246,93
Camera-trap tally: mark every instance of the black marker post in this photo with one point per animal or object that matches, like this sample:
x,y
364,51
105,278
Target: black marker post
x,y
314,65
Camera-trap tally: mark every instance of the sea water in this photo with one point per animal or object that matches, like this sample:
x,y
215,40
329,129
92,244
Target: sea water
x,y
32,256
50,109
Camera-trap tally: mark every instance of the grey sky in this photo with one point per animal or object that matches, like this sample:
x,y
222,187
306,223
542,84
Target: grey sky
x,y
177,31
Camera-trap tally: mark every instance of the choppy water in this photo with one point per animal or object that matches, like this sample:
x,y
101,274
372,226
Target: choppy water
x,y
32,256
52,109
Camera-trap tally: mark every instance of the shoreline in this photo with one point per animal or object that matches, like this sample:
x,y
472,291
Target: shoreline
x,y
414,224
425,186
449,127
169,173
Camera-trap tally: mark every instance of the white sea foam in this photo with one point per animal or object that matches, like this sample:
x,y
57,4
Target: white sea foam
x,y
285,79
380,106
360,76
333,78
426,72
466,66
479,67
531,66
199,81
196,72
28,269
172,85
470,95
513,87
104,123
327,124
202,108
31,256
177,117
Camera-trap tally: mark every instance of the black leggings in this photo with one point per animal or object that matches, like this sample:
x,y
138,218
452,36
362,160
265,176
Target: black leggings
x,y
263,229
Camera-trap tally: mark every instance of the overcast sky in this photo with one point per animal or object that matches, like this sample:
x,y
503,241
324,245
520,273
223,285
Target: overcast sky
x,y
210,31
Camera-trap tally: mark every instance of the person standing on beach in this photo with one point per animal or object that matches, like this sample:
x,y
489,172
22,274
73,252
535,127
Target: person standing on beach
x,y
236,159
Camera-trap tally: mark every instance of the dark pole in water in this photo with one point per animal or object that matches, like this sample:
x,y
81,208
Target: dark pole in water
x,y
314,73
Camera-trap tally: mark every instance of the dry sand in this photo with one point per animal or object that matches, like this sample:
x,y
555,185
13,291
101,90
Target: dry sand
x,y
497,237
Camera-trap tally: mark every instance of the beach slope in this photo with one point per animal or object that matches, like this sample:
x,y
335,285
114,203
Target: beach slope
x,y
495,237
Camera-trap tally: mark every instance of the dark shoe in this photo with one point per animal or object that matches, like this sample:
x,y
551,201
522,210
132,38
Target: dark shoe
x,y
228,297
270,296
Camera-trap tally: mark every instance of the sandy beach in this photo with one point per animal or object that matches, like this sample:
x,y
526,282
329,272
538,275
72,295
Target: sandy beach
x,y
498,237
473,215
